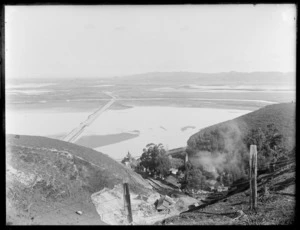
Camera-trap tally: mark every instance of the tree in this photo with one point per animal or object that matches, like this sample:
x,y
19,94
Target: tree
x,y
163,165
155,159
275,146
176,163
269,144
194,177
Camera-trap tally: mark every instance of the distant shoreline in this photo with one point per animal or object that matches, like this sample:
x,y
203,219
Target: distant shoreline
x,y
96,141
127,103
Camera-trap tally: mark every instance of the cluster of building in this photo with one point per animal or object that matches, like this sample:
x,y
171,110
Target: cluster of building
x,y
175,176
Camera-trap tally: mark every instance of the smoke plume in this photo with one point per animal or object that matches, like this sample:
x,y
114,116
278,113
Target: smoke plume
x,y
228,152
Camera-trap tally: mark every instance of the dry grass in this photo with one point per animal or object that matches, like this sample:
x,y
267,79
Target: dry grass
x,y
275,208
45,174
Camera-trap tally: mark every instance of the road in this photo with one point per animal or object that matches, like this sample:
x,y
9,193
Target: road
x,y
76,133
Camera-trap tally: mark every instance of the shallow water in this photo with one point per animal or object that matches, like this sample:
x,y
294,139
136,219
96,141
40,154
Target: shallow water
x,y
155,124
42,122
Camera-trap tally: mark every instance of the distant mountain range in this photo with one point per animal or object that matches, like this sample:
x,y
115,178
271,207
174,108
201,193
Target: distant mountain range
x,y
253,77
222,78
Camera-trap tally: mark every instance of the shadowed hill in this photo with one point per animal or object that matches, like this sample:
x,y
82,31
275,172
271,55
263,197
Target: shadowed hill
x,y
221,149
46,176
282,115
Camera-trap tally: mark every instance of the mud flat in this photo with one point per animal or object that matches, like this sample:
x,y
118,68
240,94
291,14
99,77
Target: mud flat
x,y
95,141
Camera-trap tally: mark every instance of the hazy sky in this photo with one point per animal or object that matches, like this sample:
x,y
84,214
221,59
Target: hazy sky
x,y
80,41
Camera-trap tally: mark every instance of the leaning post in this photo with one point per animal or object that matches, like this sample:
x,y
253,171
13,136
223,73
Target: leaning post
x,y
253,177
185,164
250,179
127,203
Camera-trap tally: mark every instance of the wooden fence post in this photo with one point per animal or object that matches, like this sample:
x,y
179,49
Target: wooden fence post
x,y
185,164
253,177
127,203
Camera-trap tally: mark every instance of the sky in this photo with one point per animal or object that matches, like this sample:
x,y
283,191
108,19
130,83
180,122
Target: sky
x,y
105,41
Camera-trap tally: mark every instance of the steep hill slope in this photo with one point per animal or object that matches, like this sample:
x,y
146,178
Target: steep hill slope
x,y
220,150
277,206
282,115
48,180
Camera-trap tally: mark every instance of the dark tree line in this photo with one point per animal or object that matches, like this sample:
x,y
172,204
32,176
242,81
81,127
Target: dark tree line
x,y
269,142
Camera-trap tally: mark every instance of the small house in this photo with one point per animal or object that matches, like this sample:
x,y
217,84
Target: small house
x,y
173,171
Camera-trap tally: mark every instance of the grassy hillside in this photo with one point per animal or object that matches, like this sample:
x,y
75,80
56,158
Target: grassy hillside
x,y
221,150
276,207
282,115
46,176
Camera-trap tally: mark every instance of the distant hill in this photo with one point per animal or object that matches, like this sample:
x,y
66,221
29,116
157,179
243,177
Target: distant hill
x,y
46,179
282,115
232,78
